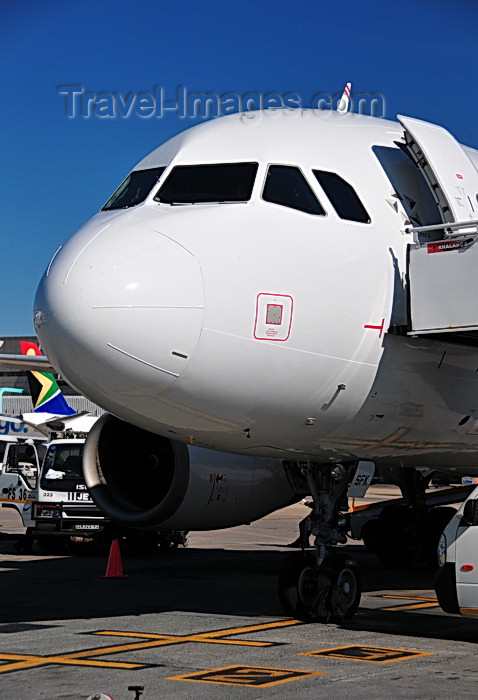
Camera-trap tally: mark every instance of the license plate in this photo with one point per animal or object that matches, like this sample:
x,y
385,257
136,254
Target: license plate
x,y
87,527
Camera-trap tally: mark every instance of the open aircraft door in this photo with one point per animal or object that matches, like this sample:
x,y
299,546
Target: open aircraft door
x,y
443,261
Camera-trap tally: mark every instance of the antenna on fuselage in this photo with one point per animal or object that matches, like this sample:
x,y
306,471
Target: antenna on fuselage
x,y
344,102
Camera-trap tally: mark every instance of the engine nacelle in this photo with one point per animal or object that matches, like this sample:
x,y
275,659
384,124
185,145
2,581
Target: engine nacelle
x,y
141,479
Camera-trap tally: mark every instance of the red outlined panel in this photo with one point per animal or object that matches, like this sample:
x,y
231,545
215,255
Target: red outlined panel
x,y
273,316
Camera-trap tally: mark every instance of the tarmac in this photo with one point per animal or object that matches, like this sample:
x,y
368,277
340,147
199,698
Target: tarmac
x,y
205,622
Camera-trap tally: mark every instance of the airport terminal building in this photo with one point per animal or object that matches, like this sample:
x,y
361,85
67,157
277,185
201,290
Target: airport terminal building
x,y
15,396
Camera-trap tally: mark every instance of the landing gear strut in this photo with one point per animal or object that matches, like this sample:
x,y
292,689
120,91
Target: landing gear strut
x,y
323,585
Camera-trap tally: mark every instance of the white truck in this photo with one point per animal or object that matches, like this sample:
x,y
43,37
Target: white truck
x,y
19,467
63,510
456,583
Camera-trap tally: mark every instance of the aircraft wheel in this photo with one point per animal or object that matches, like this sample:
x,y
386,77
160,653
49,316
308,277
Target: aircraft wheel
x,y
346,577
302,589
330,593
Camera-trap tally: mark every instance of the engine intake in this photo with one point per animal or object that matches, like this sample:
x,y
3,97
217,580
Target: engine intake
x,y
136,477
144,480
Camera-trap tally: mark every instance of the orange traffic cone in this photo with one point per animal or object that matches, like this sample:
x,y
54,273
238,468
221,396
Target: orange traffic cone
x,y
114,568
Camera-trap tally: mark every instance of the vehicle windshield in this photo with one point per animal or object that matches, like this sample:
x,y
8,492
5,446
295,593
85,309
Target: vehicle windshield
x,y
134,189
62,468
191,184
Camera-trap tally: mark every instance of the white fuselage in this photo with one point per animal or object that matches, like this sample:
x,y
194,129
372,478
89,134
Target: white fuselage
x,y
256,328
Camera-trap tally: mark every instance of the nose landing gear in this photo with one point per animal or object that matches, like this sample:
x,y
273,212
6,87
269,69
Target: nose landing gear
x,y
326,593
322,586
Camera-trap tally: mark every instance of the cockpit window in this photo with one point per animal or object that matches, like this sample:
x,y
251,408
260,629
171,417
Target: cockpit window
x,y
194,184
134,189
343,197
285,185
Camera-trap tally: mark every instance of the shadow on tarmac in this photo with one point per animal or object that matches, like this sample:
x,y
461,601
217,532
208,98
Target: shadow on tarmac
x,y
208,580
217,581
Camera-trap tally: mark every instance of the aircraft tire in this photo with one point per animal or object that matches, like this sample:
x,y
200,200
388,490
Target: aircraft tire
x,y
330,593
346,576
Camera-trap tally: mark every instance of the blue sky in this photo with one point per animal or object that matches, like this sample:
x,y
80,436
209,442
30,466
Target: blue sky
x,y
57,171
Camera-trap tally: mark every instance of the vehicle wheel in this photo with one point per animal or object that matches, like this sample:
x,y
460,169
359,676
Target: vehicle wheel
x,y
330,593
396,543
51,545
436,521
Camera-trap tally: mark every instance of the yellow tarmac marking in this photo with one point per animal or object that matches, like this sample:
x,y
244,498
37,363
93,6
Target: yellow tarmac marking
x,y
254,676
24,661
165,640
213,637
382,655
429,603
81,658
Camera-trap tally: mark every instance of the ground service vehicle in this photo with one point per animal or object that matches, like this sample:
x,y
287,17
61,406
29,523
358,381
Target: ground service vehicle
x,y
63,510
456,583
389,530
19,462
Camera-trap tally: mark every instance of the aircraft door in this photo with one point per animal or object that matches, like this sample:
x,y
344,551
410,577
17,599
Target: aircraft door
x,y
443,260
451,175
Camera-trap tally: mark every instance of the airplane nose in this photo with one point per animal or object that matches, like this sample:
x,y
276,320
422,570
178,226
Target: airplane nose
x,y
120,307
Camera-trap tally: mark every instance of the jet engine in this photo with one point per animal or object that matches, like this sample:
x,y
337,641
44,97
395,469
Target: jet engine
x,y
144,480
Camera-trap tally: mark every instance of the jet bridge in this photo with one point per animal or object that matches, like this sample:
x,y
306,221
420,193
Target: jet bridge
x,y
442,267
